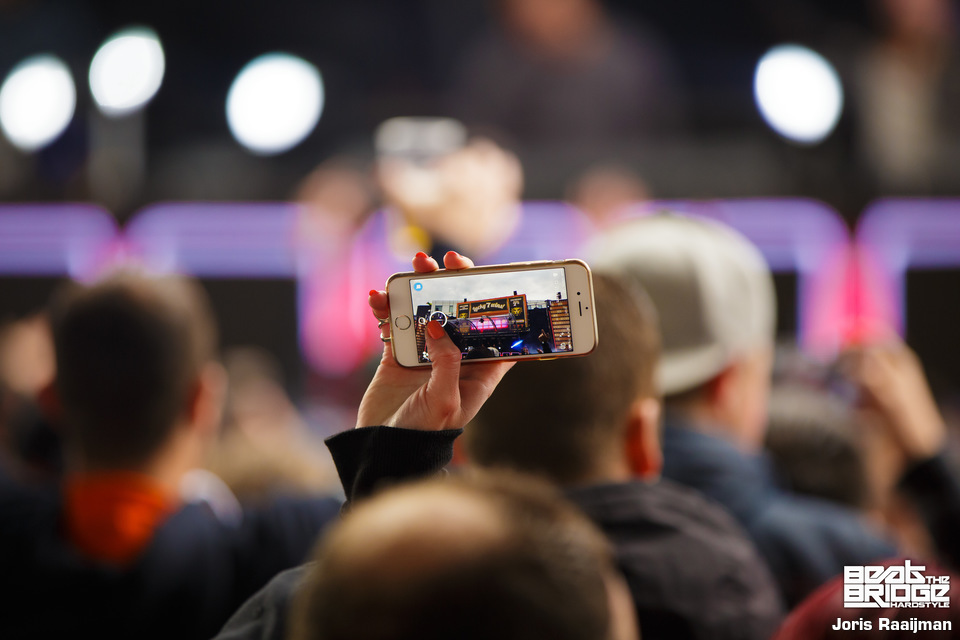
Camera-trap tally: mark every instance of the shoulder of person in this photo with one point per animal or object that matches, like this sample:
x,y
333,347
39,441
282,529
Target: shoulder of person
x,y
820,527
264,615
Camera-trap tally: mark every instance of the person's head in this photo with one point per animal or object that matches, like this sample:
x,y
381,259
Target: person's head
x,y
715,299
814,440
134,369
918,22
481,556
553,28
581,420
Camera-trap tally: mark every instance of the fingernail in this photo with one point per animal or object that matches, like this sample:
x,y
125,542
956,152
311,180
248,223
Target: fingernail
x,y
373,292
453,253
434,329
421,254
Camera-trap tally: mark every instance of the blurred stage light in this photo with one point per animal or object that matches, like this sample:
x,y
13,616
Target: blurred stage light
x,y
37,101
274,103
798,93
127,71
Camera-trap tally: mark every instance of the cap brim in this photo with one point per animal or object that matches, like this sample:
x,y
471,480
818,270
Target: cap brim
x,y
683,370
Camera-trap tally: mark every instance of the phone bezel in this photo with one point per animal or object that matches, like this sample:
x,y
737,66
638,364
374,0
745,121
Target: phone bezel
x,y
583,320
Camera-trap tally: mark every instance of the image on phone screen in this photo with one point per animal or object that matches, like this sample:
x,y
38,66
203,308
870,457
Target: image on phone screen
x,y
495,315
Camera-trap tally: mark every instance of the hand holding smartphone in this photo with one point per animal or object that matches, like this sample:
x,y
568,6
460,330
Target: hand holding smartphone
x,y
446,396
520,311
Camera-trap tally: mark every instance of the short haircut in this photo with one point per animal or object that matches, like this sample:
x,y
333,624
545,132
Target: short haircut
x,y
814,440
557,418
128,350
475,557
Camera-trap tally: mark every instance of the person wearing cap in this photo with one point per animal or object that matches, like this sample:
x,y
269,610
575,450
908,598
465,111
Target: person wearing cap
x,y
715,298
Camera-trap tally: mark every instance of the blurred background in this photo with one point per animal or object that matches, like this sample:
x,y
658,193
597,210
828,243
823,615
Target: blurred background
x,y
293,154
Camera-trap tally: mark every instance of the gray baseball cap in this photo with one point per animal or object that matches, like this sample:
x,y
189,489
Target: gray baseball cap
x,y
712,289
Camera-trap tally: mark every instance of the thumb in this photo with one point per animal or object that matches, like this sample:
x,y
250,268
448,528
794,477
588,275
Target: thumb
x,y
443,388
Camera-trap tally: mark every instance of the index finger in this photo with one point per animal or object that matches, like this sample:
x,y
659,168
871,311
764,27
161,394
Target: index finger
x,y
379,304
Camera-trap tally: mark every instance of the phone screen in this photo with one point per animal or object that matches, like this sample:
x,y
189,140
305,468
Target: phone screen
x,y
496,315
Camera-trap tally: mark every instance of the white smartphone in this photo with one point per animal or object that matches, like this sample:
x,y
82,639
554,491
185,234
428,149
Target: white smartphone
x,y
519,311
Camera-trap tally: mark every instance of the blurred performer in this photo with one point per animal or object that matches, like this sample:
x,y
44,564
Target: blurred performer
x,y
466,198
909,95
561,72
336,200
464,194
605,191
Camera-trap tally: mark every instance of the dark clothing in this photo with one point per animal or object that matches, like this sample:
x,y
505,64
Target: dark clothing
x,y
192,576
933,486
264,616
624,89
370,457
692,572
366,459
806,541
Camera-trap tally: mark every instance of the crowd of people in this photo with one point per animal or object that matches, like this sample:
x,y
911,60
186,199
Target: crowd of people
x,y
634,492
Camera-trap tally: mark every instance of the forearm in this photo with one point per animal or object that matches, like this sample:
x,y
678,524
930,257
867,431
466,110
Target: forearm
x,y
372,457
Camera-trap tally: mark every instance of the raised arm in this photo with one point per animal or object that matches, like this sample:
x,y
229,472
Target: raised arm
x,y
894,388
409,418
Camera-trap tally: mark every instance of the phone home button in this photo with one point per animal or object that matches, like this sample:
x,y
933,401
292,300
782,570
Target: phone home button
x,y
402,322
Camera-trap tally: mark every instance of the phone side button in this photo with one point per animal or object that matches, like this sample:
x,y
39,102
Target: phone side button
x,y
402,322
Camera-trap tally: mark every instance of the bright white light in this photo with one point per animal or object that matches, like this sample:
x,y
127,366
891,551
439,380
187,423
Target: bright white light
x,y
274,103
127,71
798,93
37,101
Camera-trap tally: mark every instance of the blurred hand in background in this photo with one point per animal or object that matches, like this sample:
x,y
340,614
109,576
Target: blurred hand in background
x,y
894,388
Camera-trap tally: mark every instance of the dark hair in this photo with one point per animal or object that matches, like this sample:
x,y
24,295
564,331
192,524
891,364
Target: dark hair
x,y
128,350
537,571
815,444
554,418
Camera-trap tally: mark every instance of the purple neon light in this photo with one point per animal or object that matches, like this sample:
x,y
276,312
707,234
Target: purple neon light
x,y
260,240
899,233
218,240
56,239
792,234
904,233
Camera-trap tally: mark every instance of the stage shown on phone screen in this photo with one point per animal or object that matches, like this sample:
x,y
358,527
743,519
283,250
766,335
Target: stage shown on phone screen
x,y
495,315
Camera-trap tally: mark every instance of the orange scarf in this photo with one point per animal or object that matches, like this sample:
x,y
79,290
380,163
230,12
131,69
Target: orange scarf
x,y
111,516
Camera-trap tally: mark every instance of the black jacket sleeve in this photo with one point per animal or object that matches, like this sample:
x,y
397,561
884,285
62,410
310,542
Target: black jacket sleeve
x,y
372,457
934,487
366,459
